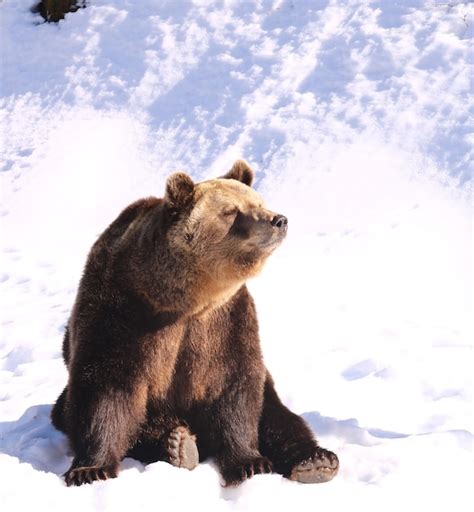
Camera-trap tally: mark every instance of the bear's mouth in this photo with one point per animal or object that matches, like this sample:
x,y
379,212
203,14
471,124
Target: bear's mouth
x,y
273,243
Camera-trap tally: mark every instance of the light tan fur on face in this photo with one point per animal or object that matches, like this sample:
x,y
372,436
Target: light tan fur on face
x,y
212,200
223,193
217,259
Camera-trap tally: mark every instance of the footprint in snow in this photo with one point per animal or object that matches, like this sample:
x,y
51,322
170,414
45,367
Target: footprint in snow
x,y
359,370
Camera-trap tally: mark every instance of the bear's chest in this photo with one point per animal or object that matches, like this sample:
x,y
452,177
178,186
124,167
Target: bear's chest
x,y
200,369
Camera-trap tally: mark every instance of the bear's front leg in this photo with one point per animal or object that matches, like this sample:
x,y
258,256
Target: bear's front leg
x,y
236,422
288,442
102,423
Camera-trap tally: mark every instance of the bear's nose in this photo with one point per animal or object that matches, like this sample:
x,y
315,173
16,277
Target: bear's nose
x,y
279,221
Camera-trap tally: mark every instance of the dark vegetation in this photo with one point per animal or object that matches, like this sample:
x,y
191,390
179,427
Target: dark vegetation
x,y
55,10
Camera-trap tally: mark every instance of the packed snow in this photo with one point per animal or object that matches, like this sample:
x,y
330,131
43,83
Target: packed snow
x,y
355,116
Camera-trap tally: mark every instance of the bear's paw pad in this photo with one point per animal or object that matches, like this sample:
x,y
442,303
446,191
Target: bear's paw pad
x,y
89,474
322,467
182,448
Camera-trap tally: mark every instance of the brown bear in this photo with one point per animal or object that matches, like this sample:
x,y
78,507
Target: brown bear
x,y
162,345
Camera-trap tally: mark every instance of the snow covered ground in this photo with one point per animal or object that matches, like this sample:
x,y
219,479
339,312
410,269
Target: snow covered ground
x,y
355,115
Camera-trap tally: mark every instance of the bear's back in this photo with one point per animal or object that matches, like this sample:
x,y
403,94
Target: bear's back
x,y
115,232
99,269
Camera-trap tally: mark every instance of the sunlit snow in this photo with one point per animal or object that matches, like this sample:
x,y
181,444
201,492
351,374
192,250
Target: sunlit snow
x,y
355,117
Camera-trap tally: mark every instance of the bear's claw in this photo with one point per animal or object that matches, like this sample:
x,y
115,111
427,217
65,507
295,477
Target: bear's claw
x,y
89,474
246,469
182,449
322,467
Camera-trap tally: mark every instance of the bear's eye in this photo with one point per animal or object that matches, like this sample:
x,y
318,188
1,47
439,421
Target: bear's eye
x,y
230,213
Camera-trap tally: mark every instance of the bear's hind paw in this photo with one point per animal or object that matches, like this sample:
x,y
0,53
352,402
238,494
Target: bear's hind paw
x,y
322,467
182,449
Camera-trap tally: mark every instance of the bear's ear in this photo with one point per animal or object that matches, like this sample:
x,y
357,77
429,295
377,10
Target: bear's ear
x,y
179,189
241,171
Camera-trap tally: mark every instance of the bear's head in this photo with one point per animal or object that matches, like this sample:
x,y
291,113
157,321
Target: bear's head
x,y
223,229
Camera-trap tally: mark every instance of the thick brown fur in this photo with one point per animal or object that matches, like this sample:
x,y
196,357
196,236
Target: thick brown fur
x,y
164,334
